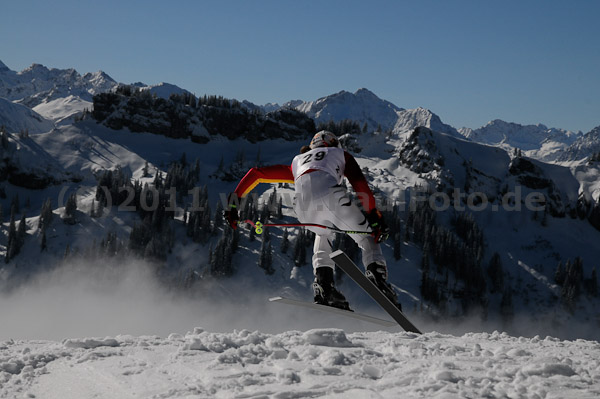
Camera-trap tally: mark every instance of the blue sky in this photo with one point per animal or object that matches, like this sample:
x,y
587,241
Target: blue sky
x,y
468,61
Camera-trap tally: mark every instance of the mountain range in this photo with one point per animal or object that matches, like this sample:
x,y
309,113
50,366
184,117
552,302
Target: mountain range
x,y
58,94
87,137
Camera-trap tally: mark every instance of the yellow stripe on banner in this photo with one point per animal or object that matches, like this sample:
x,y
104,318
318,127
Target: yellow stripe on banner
x,y
262,180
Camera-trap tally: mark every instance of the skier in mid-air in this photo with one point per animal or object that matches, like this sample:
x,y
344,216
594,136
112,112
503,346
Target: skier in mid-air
x,y
317,173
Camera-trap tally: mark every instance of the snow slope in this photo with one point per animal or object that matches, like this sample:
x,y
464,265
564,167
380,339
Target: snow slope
x,y
62,110
323,362
529,251
17,117
86,148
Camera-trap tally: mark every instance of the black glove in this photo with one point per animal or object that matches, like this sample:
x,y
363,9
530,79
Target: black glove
x,y
381,231
231,213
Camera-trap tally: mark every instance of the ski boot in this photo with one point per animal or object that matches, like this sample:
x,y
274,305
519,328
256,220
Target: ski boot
x,y
325,291
377,273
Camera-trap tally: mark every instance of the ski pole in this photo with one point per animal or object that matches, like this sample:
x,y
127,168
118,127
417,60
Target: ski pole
x,y
258,227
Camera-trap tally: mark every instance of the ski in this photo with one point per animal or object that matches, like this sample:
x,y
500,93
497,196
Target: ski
x,y
331,309
346,264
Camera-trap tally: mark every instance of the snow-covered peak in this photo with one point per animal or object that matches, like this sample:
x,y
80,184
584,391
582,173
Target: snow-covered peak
x,y
366,94
465,131
100,82
409,119
38,84
363,106
292,104
585,146
164,90
525,137
538,141
38,69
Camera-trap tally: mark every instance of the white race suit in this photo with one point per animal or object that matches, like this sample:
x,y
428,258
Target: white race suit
x,y
321,199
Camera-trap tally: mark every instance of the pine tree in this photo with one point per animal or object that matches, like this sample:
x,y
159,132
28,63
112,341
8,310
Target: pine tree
x,y
196,172
158,180
424,283
425,261
593,282
190,222
280,208
93,209
496,273
21,232
4,137
183,160
43,244
221,265
46,214
15,204
559,274
300,249
428,286
269,259
205,223
220,168
146,170
285,242
235,239
571,288
11,246
266,257
219,215
70,208
252,235
217,260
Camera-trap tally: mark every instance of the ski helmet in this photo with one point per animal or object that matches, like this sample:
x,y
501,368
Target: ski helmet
x,y
324,139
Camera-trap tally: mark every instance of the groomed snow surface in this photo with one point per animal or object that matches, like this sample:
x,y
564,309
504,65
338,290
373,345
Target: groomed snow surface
x,y
294,364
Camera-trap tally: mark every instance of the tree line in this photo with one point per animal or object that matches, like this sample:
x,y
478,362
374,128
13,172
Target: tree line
x,y
183,115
